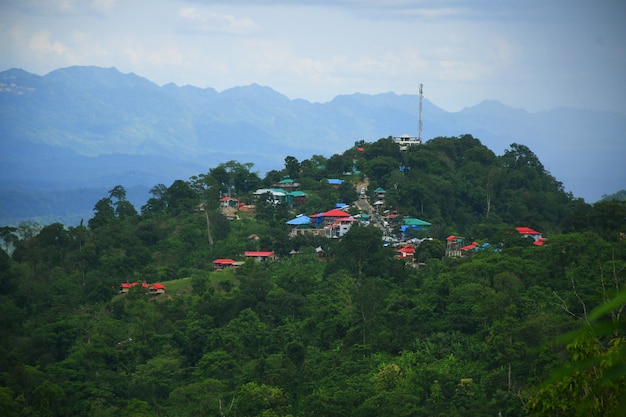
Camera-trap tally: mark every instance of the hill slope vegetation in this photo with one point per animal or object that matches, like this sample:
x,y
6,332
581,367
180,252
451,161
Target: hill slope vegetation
x,y
333,327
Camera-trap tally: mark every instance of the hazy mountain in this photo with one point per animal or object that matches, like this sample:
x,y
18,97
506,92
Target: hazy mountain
x,y
90,127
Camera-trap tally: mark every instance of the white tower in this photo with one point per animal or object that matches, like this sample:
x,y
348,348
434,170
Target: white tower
x,y
419,128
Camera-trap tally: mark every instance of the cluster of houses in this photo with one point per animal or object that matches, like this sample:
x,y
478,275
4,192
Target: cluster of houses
x,y
337,222
457,247
154,289
259,256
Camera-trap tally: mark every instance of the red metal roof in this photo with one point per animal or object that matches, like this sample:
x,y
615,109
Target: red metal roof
x,y
469,247
335,213
251,253
158,286
406,249
228,199
527,231
223,261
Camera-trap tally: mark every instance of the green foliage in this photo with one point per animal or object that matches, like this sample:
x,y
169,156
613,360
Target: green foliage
x,y
594,382
353,332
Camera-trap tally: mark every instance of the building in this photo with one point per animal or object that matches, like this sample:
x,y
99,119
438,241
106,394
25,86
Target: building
x,y
286,183
528,232
220,264
333,182
295,198
274,195
328,218
406,252
156,289
339,227
454,245
126,286
260,256
406,141
413,224
226,202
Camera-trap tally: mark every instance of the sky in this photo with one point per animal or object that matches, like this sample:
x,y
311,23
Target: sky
x,y
530,54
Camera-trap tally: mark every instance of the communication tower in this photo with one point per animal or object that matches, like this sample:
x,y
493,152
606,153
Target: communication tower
x,y
419,127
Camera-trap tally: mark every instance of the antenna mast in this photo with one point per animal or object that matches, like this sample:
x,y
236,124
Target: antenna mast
x,y
419,128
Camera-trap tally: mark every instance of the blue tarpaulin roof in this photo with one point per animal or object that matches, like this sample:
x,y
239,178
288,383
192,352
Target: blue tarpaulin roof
x,y
300,220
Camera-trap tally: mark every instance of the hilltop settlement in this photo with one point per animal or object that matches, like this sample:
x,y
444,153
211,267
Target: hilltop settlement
x,y
396,278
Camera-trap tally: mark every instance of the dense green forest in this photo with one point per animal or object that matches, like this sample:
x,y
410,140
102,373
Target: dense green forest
x,y
512,330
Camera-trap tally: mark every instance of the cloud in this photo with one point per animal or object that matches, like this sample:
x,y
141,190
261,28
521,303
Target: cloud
x,y
56,8
206,21
40,42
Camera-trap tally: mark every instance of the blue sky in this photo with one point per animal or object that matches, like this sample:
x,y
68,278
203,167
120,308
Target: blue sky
x,y
528,54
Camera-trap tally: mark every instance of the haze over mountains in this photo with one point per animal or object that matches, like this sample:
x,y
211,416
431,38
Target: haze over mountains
x,y
91,128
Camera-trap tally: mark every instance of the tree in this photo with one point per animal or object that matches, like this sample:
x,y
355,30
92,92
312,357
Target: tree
x,y
594,382
235,178
181,198
104,213
9,235
432,248
254,399
358,252
292,167
157,204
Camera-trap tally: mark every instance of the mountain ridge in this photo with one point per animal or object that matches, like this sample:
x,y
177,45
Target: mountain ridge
x,y
57,126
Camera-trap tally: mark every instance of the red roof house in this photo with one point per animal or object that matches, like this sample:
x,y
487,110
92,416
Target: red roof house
x,y
220,264
126,286
335,213
528,232
259,255
156,289
405,252
229,202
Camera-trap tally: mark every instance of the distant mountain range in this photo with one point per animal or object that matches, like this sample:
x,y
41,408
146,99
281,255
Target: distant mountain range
x,y
91,128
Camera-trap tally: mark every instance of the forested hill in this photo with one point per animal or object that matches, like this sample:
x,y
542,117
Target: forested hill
x,y
331,327
90,127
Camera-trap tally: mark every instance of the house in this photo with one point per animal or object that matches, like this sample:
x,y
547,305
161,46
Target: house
x,y
220,264
295,198
339,227
411,223
406,252
468,249
328,218
274,195
156,289
229,202
230,213
380,194
260,256
125,286
301,225
528,232
453,245
406,141
300,221
335,182
286,183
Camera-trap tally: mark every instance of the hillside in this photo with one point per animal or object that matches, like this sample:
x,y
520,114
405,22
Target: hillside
x,y
466,314
90,127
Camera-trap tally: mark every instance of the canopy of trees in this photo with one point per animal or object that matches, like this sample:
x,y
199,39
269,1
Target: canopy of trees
x,y
518,330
